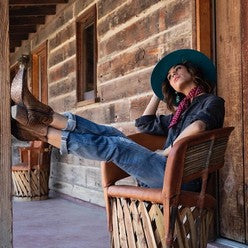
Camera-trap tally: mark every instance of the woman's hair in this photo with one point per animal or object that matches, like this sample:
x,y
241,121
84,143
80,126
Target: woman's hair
x,y
170,94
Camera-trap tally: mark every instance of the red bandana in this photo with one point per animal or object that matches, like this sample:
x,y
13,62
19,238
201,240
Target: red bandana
x,y
184,104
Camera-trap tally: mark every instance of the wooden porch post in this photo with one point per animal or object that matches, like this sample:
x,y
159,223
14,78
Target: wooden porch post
x,y
5,141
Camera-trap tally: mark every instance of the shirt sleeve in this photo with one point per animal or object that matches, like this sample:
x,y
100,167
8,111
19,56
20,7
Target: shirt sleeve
x,y
212,113
153,124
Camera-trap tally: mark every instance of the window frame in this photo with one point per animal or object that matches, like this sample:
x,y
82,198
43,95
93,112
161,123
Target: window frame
x,y
82,22
39,82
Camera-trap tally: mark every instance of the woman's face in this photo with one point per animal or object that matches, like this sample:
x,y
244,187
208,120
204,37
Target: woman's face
x,y
180,79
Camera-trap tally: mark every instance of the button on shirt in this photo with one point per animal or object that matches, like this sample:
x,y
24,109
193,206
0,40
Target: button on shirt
x,y
207,108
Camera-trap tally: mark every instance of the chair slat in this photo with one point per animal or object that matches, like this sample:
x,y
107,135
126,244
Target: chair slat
x,y
128,224
196,158
122,228
151,242
141,240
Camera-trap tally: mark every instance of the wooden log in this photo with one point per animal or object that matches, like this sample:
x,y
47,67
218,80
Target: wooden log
x,y
5,141
231,184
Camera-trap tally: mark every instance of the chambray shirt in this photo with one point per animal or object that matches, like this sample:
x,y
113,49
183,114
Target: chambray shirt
x,y
207,108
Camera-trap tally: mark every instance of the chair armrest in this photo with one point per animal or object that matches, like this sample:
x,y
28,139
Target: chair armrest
x,y
186,198
111,173
134,192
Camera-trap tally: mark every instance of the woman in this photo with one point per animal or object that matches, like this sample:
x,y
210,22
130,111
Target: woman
x,y
184,78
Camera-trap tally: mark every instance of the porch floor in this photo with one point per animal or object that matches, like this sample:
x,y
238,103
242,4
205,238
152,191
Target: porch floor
x,y
58,222
62,223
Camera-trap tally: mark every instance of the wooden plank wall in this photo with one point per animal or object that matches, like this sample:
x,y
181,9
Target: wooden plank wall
x,y
5,155
228,34
244,54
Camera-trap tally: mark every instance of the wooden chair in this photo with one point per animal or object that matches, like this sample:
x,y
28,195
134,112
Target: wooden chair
x,y
30,177
166,217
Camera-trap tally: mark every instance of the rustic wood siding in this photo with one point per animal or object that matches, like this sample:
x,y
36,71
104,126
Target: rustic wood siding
x,y
244,54
5,153
229,64
132,36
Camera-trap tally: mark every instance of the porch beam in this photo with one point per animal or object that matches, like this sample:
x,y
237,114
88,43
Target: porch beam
x,y
27,20
6,235
24,29
39,10
35,2
244,57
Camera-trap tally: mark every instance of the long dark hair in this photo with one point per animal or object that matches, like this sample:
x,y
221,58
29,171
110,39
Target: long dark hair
x,y
170,94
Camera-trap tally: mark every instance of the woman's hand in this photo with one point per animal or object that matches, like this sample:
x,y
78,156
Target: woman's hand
x,y
164,152
152,106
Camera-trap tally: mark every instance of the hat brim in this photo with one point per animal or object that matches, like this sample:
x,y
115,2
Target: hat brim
x,y
196,58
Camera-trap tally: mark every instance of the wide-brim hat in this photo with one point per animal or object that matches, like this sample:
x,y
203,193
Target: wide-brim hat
x,y
196,58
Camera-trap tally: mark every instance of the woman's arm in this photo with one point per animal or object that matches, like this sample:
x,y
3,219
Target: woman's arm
x,y
194,128
150,123
152,106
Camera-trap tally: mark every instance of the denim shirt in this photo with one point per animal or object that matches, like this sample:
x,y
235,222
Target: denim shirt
x,y
207,108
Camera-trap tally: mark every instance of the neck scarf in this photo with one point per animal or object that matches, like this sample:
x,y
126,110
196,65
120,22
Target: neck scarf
x,y
184,104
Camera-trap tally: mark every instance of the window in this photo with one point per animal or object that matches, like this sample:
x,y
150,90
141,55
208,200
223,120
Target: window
x,y
86,56
39,85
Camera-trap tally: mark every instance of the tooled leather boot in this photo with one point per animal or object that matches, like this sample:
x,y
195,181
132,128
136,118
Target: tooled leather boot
x,y
20,114
24,134
37,111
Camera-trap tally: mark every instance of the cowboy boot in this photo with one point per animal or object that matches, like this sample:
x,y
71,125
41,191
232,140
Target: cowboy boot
x,y
20,114
22,133
37,111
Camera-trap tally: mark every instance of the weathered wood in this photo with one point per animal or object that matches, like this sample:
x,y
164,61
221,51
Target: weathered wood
x,y
121,15
27,20
147,226
144,56
137,225
145,222
229,80
129,225
25,29
35,2
5,140
23,36
156,215
244,57
122,227
115,225
203,26
30,184
39,10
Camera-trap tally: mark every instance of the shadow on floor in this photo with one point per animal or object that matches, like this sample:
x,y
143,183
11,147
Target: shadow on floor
x,y
59,223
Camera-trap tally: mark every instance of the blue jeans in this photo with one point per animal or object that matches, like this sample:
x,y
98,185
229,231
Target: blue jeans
x,y
87,139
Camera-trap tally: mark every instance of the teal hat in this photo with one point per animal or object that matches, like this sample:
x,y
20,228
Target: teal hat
x,y
196,58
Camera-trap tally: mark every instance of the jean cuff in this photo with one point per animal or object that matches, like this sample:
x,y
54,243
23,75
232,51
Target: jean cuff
x,y
71,123
63,146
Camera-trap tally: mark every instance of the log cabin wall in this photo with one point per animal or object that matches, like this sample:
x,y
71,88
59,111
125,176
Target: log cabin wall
x,y
132,36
